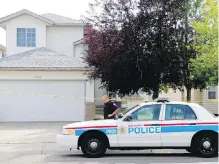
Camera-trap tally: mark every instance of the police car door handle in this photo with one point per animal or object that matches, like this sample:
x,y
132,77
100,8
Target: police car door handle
x,y
155,124
192,123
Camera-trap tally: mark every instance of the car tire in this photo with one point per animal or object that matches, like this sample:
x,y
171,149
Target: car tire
x,y
93,147
205,145
189,150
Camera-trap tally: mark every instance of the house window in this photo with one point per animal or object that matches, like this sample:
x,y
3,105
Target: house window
x,y
212,92
26,37
21,37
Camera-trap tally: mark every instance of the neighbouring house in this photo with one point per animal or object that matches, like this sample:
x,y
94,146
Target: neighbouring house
x,y
42,75
208,98
2,51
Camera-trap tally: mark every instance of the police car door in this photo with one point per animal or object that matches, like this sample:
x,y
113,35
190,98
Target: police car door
x,y
178,125
142,127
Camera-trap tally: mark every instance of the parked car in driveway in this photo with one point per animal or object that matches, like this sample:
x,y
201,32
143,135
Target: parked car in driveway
x,y
161,124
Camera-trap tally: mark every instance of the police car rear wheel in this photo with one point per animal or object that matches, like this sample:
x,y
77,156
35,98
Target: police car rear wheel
x,y
93,147
206,145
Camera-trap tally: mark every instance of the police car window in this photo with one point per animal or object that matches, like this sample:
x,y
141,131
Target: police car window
x,y
179,112
130,109
147,112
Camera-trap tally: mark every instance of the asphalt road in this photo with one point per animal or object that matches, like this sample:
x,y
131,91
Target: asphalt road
x,y
35,144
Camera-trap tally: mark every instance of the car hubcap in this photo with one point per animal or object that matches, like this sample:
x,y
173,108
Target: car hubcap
x,y
93,145
206,144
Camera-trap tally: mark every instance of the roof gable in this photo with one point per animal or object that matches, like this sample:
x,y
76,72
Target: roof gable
x,y
23,12
49,18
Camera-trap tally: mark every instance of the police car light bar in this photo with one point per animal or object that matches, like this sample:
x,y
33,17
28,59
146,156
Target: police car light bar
x,y
161,99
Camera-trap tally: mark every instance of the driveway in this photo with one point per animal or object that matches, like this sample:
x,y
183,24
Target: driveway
x,y
22,133
34,143
29,141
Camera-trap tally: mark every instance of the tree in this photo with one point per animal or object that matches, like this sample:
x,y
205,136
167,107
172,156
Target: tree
x,y
189,9
142,45
199,71
132,51
205,67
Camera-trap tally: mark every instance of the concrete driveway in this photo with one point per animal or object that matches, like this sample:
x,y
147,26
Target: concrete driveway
x,y
29,141
21,133
34,143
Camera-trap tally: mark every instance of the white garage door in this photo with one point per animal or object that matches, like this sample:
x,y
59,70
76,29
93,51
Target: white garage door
x,y
22,108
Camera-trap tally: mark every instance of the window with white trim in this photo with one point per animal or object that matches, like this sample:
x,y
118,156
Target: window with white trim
x,y
212,91
26,37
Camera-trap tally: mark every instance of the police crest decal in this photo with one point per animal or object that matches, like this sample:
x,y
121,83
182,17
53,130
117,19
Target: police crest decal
x,y
122,130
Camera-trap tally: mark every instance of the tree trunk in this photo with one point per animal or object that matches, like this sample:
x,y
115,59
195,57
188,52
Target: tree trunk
x,y
155,93
188,92
182,94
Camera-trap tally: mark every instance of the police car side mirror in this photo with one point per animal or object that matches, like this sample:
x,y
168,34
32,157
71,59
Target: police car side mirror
x,y
120,115
128,118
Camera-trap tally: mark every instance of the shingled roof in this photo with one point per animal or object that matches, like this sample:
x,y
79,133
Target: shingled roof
x,y
58,19
43,59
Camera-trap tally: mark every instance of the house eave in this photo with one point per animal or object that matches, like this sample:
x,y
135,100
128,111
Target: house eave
x,y
23,12
44,69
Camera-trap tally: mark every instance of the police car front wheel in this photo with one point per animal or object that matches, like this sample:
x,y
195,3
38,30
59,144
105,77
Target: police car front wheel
x,y
206,145
93,147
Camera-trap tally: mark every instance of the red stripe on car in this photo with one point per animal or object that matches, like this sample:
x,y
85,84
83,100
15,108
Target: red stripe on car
x,y
88,127
201,123
198,123
147,124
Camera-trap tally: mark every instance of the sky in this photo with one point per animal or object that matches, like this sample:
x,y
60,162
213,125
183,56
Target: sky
x,y
68,8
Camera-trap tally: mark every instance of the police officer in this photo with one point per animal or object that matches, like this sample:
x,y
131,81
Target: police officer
x,y
110,109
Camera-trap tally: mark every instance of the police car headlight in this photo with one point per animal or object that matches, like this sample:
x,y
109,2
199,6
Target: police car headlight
x,y
67,131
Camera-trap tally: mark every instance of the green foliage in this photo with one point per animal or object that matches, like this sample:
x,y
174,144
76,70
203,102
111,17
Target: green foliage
x,y
151,45
205,67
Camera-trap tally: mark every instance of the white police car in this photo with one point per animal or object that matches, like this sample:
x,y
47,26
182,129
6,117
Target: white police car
x,y
153,125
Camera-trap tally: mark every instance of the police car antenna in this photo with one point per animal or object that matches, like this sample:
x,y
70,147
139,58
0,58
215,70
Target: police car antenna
x,y
162,99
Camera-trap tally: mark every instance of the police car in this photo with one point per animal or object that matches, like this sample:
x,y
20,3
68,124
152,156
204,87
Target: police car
x,y
152,125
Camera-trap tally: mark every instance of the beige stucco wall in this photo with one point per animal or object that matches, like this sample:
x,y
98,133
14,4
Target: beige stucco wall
x,y
211,105
172,95
90,111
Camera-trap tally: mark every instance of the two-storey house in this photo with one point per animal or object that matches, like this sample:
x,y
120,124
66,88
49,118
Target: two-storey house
x,y
42,75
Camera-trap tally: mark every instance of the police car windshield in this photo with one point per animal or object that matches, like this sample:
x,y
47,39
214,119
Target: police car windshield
x,y
130,109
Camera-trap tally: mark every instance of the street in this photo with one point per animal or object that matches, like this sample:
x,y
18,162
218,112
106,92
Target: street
x,y
34,143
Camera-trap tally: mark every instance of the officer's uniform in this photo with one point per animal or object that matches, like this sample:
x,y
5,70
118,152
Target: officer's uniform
x,y
109,108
